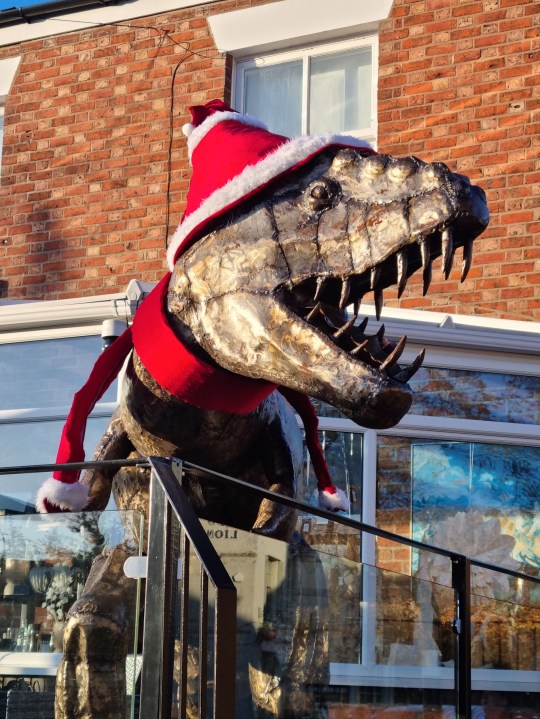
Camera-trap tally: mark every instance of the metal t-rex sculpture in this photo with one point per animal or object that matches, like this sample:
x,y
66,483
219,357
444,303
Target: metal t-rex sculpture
x,y
279,237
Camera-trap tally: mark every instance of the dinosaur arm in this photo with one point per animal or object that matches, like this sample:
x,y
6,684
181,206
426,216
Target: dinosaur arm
x,y
114,444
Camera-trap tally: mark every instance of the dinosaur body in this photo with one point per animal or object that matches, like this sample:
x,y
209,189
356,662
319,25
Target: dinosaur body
x,y
264,295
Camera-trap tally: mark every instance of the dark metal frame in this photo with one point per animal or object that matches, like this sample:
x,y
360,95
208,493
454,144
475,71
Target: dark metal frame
x,y
175,532
170,508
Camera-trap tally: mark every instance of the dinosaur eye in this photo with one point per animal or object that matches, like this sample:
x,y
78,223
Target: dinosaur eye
x,y
322,194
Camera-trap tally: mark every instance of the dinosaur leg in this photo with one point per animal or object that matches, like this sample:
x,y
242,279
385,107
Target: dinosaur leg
x,y
91,679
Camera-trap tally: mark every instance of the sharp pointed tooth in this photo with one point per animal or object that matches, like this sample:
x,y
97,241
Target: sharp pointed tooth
x,y
427,276
380,334
374,277
347,326
424,251
447,247
359,348
414,367
321,281
401,260
314,312
379,302
467,259
394,356
362,326
357,305
345,292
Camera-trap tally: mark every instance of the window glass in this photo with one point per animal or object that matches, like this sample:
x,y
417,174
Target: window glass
x,y
269,89
27,443
311,90
343,454
480,499
476,395
47,373
340,92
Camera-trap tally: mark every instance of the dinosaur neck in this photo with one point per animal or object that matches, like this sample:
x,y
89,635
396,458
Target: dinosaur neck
x,y
180,372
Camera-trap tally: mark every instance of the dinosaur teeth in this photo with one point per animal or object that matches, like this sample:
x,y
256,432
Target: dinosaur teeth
x,y
447,247
357,305
401,260
406,373
317,310
345,292
380,334
359,347
321,281
394,356
427,275
362,326
347,326
467,259
375,275
379,302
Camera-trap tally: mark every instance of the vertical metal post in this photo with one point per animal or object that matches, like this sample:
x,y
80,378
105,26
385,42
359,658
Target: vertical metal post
x,y
160,603
225,653
461,582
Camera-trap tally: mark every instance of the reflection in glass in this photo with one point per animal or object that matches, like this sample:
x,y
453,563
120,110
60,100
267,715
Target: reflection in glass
x,y
47,373
343,454
488,396
464,492
26,443
270,88
340,92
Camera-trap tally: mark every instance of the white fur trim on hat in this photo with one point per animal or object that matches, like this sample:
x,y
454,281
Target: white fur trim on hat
x,y
197,133
284,158
67,497
334,501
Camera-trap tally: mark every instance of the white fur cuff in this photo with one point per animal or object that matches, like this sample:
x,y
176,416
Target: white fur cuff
x,y
334,501
65,497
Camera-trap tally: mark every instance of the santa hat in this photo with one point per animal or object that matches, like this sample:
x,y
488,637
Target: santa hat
x,y
233,157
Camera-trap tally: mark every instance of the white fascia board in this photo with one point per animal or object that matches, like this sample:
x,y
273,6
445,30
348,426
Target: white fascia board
x,y
76,21
79,311
461,331
294,22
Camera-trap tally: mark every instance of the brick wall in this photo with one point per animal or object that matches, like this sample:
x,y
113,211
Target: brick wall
x,y
83,198
459,82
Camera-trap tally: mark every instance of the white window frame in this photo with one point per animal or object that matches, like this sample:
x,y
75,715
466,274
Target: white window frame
x,y
305,54
453,343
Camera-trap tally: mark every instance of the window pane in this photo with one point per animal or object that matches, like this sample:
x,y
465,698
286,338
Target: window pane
x,y
24,443
340,92
273,94
343,454
476,395
479,499
47,373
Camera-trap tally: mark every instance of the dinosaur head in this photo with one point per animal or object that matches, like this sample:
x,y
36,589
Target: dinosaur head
x,y
265,293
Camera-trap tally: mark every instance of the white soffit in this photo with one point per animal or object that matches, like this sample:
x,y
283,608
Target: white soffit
x,y
294,22
75,21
